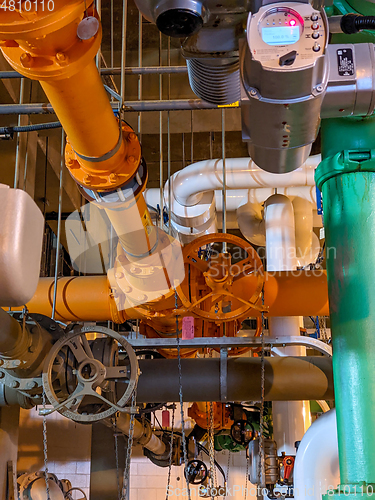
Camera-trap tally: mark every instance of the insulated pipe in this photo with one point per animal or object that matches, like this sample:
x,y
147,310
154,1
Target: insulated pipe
x,y
316,468
190,183
286,379
291,419
89,298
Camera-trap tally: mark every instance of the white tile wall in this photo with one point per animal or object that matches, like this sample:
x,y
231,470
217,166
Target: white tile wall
x,y
69,448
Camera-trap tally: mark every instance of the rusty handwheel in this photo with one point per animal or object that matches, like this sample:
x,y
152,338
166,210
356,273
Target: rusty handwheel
x,y
211,298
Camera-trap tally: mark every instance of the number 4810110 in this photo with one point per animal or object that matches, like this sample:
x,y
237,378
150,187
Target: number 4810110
x,y
28,5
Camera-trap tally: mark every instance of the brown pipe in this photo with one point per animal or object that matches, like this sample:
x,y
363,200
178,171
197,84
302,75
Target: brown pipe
x,y
286,379
11,335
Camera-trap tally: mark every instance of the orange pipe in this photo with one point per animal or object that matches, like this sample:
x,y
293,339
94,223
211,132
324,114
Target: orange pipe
x,y
89,298
86,298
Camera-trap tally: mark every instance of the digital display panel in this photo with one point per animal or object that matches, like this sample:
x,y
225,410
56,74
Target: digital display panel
x,y
280,35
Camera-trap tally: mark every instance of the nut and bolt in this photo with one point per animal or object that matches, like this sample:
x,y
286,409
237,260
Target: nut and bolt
x,y
113,178
127,289
31,385
87,179
319,88
119,275
132,136
31,349
61,58
26,59
253,92
14,384
2,374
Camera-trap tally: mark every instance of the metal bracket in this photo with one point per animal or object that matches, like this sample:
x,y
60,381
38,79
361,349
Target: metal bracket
x,y
226,342
223,373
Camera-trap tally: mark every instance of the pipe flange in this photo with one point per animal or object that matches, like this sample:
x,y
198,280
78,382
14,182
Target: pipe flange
x,y
115,171
41,65
123,194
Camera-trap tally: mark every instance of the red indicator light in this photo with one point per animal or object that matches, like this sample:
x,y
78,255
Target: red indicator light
x,y
292,22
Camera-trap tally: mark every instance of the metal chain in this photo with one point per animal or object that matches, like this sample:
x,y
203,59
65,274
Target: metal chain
x,y
45,449
212,448
181,400
227,476
125,483
262,389
170,454
247,474
115,435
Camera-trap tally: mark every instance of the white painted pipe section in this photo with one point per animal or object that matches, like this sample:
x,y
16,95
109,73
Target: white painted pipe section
x,y
290,419
251,223
280,234
189,184
316,469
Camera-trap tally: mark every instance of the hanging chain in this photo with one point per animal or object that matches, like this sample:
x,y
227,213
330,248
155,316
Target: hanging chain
x,y
228,468
212,449
247,473
45,449
261,422
170,454
181,400
115,435
125,483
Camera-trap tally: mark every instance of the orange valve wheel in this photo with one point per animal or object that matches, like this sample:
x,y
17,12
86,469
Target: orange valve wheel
x,y
211,270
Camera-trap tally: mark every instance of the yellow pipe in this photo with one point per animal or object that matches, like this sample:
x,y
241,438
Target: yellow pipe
x,y
90,298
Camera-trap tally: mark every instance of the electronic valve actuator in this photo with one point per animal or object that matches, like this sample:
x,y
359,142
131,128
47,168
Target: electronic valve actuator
x,y
284,72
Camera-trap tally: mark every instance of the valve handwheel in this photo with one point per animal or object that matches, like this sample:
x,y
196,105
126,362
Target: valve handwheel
x,y
93,379
242,432
220,273
196,472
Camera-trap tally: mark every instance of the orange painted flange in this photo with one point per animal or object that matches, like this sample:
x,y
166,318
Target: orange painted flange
x,y
88,175
47,47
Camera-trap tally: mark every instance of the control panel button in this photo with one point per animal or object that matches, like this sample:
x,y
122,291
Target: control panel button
x,y
316,47
315,26
315,35
314,17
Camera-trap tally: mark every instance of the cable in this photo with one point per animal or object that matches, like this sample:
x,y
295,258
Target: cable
x,y
29,128
353,23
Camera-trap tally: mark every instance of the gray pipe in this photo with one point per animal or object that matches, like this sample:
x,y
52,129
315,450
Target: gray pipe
x,y
134,106
286,379
10,334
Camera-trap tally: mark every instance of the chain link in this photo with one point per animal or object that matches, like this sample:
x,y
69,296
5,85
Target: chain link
x,y
170,454
115,435
181,400
125,483
45,448
247,473
262,389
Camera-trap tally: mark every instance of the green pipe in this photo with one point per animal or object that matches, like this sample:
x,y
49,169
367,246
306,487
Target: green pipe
x,y
346,177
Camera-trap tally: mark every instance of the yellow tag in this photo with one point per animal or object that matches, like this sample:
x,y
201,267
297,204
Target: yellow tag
x,y
146,221
233,105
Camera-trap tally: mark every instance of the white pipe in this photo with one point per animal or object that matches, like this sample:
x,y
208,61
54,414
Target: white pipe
x,y
290,419
189,184
316,469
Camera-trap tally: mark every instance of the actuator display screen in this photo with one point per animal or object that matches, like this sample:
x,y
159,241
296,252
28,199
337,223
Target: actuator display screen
x,y
280,35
